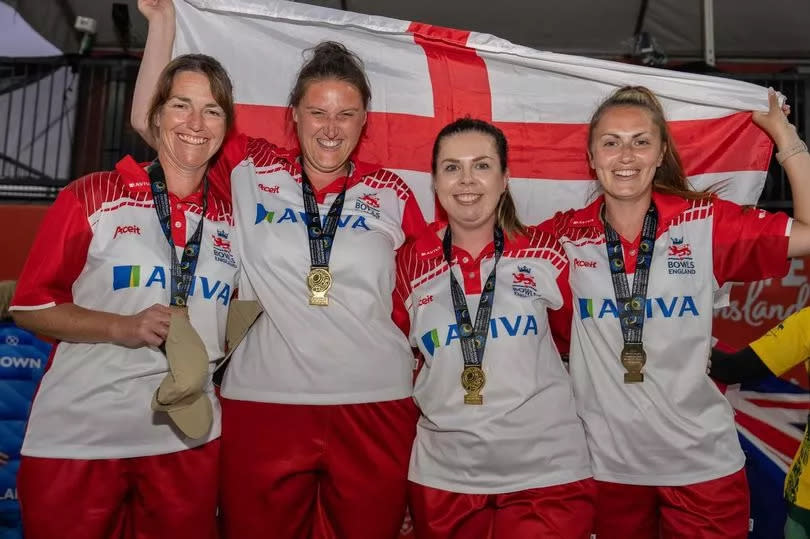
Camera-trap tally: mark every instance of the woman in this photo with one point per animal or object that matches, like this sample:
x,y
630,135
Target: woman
x,y
499,450
123,261
318,419
663,444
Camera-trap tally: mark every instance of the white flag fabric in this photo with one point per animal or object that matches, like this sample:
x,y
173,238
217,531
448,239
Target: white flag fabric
x,y
423,77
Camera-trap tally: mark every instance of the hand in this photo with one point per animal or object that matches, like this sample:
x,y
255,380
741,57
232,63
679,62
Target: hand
x,y
146,328
775,122
3,459
155,10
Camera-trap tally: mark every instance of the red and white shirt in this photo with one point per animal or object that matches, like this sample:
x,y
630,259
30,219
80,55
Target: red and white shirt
x,y
348,352
526,434
101,247
675,427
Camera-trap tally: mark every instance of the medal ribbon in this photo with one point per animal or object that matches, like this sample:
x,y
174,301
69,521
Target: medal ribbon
x,y
631,307
182,271
320,237
473,339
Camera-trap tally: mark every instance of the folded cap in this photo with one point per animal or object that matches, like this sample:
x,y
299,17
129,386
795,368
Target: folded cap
x,y
182,392
241,315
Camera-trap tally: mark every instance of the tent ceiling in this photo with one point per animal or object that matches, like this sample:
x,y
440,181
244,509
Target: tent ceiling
x,y
744,29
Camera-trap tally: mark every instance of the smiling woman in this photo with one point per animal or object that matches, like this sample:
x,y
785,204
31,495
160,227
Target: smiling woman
x,y
319,390
126,340
662,439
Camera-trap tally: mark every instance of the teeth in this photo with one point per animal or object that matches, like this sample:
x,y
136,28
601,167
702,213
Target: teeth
x,y
329,143
625,173
467,197
192,140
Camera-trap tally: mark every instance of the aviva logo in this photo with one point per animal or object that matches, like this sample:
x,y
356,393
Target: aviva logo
x,y
676,307
290,216
132,276
520,325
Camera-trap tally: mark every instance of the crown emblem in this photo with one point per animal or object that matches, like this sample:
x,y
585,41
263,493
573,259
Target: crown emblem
x,y
222,234
677,241
524,269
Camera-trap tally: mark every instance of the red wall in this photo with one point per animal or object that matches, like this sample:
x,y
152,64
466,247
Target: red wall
x,y
18,227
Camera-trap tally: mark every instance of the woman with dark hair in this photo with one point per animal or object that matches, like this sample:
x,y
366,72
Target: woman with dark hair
x,y
132,273
317,409
645,260
499,450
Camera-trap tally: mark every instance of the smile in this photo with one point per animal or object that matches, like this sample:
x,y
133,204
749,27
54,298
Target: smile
x,y
192,140
467,198
626,173
328,143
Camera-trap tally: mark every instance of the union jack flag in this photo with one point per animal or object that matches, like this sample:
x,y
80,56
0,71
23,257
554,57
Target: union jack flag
x,y
771,417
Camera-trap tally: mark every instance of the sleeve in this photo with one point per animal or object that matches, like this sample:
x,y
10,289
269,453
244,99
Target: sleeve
x,y
56,258
232,152
787,344
402,292
748,244
559,320
413,220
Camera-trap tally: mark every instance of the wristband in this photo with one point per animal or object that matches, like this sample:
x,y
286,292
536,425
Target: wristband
x,y
799,147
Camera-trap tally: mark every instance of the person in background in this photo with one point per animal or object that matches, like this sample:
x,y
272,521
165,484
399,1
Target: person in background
x,y
132,272
499,449
23,358
645,259
775,353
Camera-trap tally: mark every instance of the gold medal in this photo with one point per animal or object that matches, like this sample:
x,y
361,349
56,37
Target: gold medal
x,y
633,359
473,380
319,281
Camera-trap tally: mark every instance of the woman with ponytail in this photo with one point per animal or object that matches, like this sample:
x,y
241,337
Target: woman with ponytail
x,y
318,419
645,259
499,450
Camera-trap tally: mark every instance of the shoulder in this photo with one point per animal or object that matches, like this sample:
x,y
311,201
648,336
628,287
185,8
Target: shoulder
x,y
385,179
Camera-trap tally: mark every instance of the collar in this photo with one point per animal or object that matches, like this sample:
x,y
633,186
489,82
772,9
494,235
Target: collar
x,y
428,245
359,170
136,180
669,207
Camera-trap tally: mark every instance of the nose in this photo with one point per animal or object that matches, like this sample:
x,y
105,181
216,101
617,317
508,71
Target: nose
x,y
467,174
195,120
331,128
627,154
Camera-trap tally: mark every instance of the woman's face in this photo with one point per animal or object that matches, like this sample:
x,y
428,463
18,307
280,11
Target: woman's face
x,y
626,150
329,120
469,181
191,125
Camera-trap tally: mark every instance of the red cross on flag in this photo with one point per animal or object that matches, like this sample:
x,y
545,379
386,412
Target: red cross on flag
x,y
422,77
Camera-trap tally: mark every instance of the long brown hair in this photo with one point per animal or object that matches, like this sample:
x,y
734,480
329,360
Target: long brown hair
x,y
669,176
506,213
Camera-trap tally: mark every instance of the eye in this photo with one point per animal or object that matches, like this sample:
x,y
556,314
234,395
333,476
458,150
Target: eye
x,y
178,105
642,142
482,165
609,143
451,167
316,113
215,112
347,114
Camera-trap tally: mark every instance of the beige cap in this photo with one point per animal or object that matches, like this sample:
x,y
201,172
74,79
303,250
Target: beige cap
x,y
182,392
242,314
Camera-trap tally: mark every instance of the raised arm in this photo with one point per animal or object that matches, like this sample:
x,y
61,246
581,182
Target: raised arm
x,y
792,153
156,54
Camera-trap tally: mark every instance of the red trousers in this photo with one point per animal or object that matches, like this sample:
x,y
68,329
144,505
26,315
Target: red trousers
x,y
304,471
172,495
716,509
556,512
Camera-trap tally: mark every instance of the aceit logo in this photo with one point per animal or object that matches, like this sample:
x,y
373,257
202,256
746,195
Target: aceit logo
x,y
369,203
523,283
516,326
130,277
272,189
290,216
126,229
578,262
425,300
675,307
